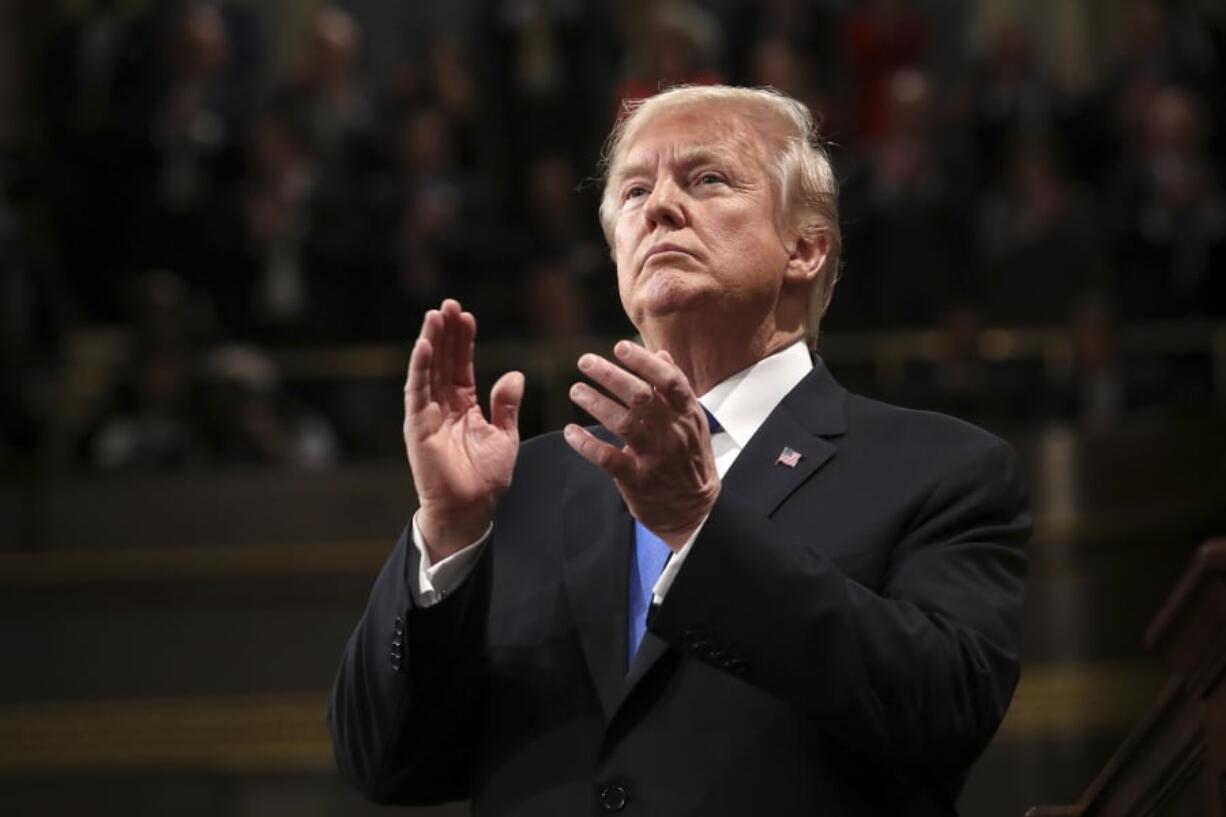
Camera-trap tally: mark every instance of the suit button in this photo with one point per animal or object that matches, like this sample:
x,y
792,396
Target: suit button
x,y
613,797
398,641
396,663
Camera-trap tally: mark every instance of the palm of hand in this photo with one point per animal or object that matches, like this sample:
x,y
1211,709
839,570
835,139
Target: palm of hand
x,y
461,462
459,459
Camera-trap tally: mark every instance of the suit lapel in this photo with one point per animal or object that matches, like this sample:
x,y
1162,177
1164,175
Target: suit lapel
x,y
651,649
812,413
598,531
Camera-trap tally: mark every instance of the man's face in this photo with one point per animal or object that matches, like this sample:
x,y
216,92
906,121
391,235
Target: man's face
x,y
695,230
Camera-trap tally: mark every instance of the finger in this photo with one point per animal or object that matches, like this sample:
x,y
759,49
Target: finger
x,y
449,343
610,459
432,332
427,330
608,412
505,400
626,387
657,371
465,350
417,385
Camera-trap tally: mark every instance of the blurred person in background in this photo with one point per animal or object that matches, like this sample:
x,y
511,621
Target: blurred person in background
x,y
1013,101
152,420
1170,241
960,380
669,43
777,62
566,250
1105,386
265,290
1040,242
441,221
248,418
1161,44
452,85
880,40
196,128
807,29
303,242
555,305
551,67
152,417
906,217
325,99
424,257
184,400
33,319
94,82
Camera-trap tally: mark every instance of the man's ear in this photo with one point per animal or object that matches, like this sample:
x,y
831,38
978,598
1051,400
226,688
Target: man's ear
x,y
808,253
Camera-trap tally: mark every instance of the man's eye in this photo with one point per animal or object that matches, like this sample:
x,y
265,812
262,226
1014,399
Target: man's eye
x,y
636,191
710,178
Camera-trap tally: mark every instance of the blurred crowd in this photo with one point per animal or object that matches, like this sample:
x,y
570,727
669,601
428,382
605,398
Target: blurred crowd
x,y
180,184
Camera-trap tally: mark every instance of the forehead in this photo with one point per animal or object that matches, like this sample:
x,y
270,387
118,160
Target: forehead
x,y
691,133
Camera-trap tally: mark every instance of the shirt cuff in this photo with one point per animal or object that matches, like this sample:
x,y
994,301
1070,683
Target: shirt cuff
x,y
660,589
436,581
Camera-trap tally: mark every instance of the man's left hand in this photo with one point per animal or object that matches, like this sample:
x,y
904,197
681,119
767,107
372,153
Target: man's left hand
x,y
666,469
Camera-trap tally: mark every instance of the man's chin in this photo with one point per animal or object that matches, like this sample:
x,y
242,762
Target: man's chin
x,y
668,295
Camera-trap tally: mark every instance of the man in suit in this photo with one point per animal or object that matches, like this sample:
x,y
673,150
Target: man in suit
x,y
748,591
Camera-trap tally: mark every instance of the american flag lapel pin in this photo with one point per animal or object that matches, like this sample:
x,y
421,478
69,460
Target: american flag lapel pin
x,y
788,457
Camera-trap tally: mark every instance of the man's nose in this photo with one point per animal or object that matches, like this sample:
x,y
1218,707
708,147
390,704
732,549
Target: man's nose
x,y
664,206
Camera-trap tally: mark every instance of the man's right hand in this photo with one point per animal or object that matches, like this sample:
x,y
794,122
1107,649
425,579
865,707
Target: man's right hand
x,y
461,462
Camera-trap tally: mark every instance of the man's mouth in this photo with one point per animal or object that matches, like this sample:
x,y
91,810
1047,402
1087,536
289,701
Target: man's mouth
x,y
666,247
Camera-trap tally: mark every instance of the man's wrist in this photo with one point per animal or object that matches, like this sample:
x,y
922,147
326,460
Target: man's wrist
x,y
434,581
448,533
679,537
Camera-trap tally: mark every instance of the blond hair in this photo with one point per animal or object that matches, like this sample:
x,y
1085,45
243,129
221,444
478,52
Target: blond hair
x,y
806,189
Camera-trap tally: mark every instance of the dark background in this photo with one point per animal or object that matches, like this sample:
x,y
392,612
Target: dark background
x,y
220,223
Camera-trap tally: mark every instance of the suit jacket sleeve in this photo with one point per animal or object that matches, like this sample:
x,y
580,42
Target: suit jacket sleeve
x,y
916,673
407,694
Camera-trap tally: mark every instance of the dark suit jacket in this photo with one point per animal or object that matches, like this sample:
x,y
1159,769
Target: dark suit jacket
x,y
843,638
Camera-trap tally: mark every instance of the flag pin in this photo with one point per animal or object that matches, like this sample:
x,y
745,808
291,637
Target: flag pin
x,y
788,457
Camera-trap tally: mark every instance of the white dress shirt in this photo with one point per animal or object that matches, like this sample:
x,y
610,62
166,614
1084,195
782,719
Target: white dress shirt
x,y
740,403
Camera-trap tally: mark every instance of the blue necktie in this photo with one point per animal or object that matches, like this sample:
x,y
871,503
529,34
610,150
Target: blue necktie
x,y
650,555
649,558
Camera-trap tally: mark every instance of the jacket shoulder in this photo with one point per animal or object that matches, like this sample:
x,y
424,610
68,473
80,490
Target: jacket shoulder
x,y
871,419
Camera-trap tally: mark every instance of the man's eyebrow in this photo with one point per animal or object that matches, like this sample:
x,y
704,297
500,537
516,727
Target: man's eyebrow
x,y
625,170
707,154
687,157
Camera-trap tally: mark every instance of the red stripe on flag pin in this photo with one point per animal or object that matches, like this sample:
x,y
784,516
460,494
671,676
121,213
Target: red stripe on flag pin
x,y
788,457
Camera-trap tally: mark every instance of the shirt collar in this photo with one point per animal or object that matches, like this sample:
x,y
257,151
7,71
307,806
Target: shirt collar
x,y
742,402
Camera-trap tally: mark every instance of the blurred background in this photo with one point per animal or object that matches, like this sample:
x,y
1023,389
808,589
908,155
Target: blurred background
x,y
221,222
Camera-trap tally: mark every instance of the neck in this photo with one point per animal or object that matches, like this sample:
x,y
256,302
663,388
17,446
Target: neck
x,y
709,358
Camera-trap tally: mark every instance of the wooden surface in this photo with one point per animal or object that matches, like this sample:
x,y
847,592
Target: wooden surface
x,y
1173,763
